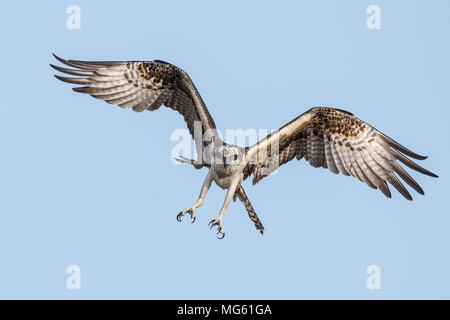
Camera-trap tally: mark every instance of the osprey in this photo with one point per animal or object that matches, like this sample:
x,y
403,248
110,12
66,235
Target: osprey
x,y
325,137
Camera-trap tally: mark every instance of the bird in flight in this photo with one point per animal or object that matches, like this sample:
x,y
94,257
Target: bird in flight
x,y
325,137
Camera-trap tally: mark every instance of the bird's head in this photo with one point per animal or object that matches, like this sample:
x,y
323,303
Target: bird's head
x,y
228,155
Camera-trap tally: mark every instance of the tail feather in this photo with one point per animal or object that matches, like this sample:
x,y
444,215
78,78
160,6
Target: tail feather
x,y
250,210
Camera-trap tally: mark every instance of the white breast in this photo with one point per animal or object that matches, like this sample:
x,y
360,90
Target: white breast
x,y
224,175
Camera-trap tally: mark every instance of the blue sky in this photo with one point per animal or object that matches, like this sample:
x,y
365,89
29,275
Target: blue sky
x,y
89,184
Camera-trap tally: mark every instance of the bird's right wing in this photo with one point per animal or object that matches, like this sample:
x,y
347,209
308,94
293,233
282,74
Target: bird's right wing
x,y
143,85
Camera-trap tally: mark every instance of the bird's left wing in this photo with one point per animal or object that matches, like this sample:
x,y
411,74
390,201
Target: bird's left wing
x,y
337,140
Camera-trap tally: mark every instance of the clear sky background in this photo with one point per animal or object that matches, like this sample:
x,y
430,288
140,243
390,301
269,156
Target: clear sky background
x,y
90,184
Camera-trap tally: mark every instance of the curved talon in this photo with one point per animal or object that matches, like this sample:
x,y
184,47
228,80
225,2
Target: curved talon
x,y
223,235
211,224
179,216
193,219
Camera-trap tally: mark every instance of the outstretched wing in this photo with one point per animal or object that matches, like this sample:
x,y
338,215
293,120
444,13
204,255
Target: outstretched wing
x,y
337,140
142,85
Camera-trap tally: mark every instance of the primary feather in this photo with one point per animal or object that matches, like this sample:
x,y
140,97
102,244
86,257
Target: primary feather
x,y
141,85
337,140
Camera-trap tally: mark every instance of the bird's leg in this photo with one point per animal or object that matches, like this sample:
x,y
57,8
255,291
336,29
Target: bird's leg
x,y
218,221
205,187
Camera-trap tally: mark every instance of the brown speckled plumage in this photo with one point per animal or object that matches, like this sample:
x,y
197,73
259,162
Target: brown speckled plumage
x,y
240,193
337,140
325,137
140,85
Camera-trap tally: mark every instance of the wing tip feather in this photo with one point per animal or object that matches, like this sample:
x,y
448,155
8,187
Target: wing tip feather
x,y
433,175
81,89
75,63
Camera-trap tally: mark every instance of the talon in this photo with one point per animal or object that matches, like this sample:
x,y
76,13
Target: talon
x,y
211,224
193,217
179,216
223,235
